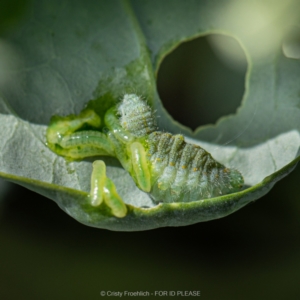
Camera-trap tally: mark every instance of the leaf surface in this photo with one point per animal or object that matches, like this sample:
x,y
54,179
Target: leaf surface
x,y
64,54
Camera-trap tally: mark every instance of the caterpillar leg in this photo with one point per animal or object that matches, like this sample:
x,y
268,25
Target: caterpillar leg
x,y
140,166
104,190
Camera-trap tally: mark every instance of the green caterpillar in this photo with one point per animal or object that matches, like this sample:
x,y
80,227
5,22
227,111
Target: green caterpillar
x,y
161,164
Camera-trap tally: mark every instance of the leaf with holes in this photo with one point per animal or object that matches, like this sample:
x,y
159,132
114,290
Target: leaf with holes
x,y
59,56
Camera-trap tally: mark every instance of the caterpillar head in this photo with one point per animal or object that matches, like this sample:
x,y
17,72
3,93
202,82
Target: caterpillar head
x,y
236,180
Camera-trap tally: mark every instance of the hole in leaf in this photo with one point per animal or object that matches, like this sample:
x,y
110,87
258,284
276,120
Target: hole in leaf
x,y
291,46
203,80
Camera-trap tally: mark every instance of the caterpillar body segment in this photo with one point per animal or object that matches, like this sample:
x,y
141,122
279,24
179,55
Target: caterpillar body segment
x,y
64,126
136,116
183,172
102,188
140,166
98,180
113,200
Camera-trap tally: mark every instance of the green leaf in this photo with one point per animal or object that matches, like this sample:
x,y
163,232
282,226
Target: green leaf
x,y
61,55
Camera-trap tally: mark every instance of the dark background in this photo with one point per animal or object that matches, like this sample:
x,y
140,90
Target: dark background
x,y
251,254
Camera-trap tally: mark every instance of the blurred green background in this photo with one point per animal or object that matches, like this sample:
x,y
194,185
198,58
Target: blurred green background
x,y
252,254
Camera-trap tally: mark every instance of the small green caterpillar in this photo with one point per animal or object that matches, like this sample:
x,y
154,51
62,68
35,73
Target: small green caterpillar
x,y
161,164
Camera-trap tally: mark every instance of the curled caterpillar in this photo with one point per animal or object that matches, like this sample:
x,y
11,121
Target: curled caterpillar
x,y
161,164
